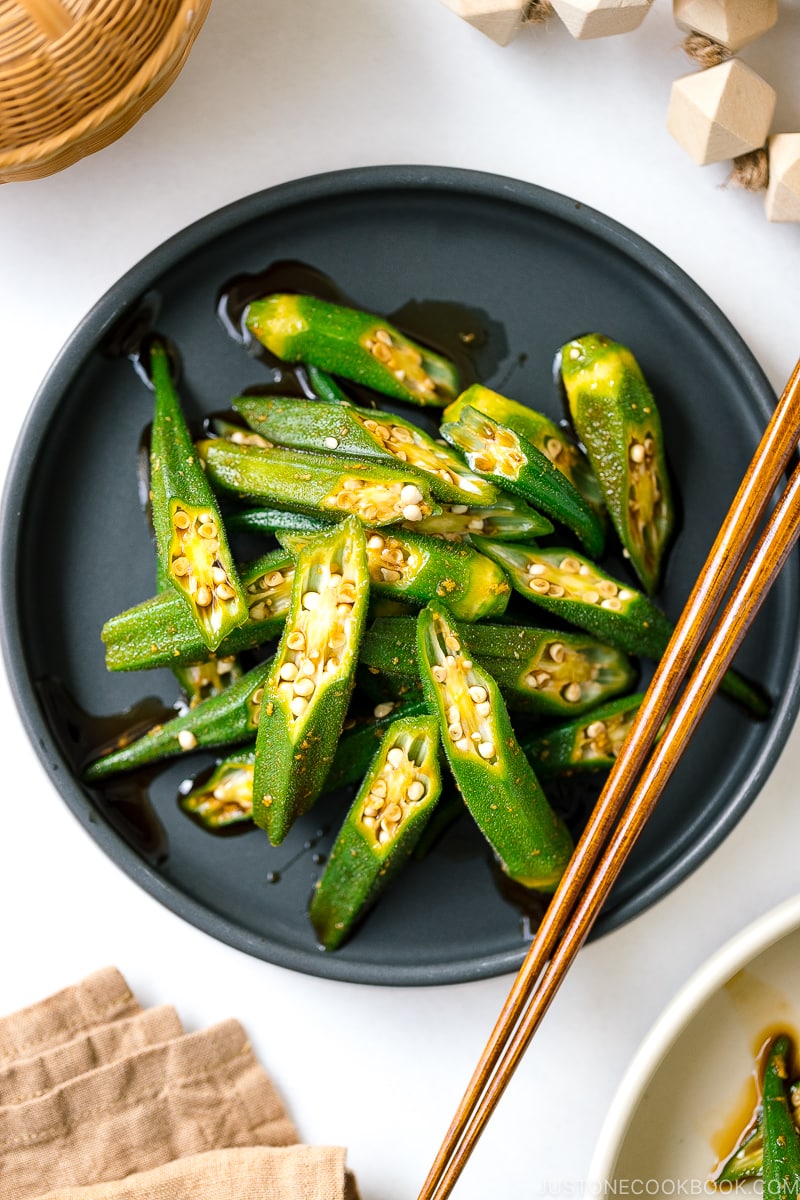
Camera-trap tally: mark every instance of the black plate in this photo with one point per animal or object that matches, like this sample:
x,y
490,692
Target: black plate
x,y
543,269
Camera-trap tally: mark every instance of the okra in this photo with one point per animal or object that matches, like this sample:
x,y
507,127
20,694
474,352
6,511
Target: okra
x,y
747,1160
581,593
405,565
589,744
352,345
497,452
539,430
199,681
381,828
160,633
309,686
226,796
222,720
324,385
508,519
781,1139
344,429
616,418
375,492
190,537
493,775
538,671
271,520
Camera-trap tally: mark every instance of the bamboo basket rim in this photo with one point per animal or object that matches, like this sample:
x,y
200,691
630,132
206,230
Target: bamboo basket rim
x,y
119,113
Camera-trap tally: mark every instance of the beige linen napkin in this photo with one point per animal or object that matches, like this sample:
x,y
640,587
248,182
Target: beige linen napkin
x,y
294,1173
29,1078
102,997
195,1093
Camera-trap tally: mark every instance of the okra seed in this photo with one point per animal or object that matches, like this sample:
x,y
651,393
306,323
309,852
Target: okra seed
x,y
181,519
416,791
187,740
475,737
537,569
483,709
393,813
224,591
412,512
401,434
453,714
203,597
382,710
352,485
571,565
624,594
304,686
459,509
607,587
467,664
390,576
556,651
452,643
368,821
531,681
590,596
439,674
310,600
613,603
288,671
455,732
379,788
375,542
370,512
556,590
298,705
331,443
383,336
486,749
584,569
637,452
543,678
218,574
395,756
553,447
399,374
540,585
595,729
181,567
401,456
207,530
382,352
476,524
411,494
275,579
478,693
649,446
451,662
572,692
464,744
306,667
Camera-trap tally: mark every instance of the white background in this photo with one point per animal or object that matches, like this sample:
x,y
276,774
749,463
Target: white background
x,y
274,90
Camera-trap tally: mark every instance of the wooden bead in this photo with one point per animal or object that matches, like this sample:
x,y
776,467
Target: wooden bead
x,y
500,20
782,201
732,23
720,113
601,18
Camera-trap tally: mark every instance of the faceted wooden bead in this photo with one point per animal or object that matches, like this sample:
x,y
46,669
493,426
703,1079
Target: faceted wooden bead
x,y
601,18
500,20
732,23
720,113
782,202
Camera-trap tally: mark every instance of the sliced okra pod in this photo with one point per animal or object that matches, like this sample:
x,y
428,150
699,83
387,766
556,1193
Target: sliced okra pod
x,y
222,720
352,345
200,681
375,492
408,565
325,386
344,429
381,828
616,418
571,587
781,1170
272,520
589,744
190,537
747,1160
309,686
226,796
160,633
537,670
539,430
491,771
499,453
508,519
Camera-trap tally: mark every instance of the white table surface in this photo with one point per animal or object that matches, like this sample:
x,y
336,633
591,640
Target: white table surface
x,y
274,90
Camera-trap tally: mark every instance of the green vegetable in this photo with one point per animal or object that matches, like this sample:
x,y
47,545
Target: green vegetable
x,y
497,452
309,686
616,418
591,743
375,492
190,538
381,828
508,519
353,345
492,774
781,1139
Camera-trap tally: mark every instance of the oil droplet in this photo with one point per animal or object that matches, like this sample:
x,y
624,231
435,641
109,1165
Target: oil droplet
x,y
273,877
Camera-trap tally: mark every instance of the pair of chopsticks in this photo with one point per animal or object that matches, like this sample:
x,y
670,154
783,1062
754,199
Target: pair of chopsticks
x,y
614,826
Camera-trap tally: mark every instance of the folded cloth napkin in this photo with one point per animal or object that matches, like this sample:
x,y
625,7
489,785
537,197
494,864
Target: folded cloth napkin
x,y
29,1078
293,1173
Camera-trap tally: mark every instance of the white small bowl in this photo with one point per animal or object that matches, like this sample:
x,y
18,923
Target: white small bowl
x,y
691,1078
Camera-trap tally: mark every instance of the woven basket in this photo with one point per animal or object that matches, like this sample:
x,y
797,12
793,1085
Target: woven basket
x,y
77,74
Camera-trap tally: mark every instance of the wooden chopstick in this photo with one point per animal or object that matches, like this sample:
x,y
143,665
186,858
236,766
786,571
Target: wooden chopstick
x,y
735,535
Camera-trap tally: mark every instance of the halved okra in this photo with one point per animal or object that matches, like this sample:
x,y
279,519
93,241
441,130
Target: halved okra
x,y
493,775
747,1160
381,829
591,743
508,519
344,429
352,345
272,520
160,633
497,452
375,492
309,686
408,565
226,796
221,720
200,681
781,1169
537,670
539,430
193,551
581,593
616,418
